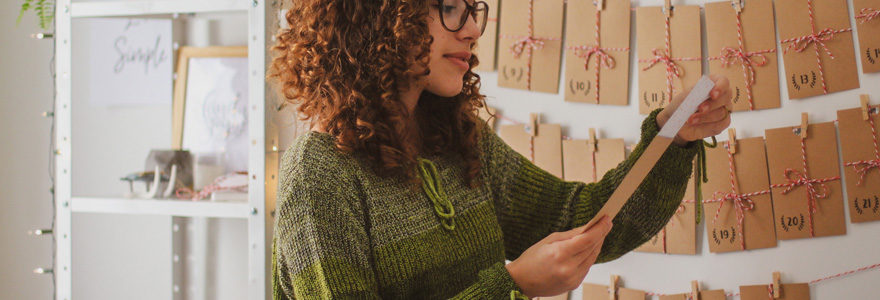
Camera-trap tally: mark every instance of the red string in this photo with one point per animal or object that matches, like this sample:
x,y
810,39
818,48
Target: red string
x,y
664,56
730,55
799,44
814,282
602,58
187,193
797,178
527,44
867,14
863,166
741,202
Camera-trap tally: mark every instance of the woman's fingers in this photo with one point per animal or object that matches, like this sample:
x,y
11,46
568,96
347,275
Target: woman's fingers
x,y
587,240
712,116
719,96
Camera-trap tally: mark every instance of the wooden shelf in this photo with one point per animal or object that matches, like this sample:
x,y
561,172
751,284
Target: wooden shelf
x,y
165,207
94,9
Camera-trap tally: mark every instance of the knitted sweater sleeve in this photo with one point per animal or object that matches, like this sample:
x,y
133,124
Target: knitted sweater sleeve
x,y
531,203
321,248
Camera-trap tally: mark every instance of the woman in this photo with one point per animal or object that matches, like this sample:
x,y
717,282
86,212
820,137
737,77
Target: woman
x,y
400,191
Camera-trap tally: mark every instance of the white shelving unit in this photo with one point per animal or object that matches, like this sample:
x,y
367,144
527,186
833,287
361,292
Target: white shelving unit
x,y
262,163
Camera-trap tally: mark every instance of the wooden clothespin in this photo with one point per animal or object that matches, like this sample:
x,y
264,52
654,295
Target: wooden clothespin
x,y
600,4
593,143
731,140
805,121
612,289
532,127
777,286
695,290
667,8
866,109
737,5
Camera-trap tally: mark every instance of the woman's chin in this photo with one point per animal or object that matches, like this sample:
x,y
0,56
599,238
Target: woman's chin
x,y
448,90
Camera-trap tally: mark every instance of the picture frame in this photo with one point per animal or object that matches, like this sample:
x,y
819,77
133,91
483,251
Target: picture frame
x,y
209,112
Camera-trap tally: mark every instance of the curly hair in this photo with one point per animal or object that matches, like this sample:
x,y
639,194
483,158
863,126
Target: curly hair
x,y
345,62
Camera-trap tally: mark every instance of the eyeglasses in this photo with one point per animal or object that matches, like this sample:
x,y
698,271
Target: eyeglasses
x,y
454,14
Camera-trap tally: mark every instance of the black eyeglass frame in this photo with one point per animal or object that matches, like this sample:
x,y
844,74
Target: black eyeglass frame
x,y
468,11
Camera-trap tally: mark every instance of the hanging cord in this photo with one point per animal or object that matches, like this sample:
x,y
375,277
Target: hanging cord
x,y
431,184
700,176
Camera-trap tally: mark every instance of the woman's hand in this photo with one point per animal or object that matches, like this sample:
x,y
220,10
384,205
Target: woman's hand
x,y
711,118
559,263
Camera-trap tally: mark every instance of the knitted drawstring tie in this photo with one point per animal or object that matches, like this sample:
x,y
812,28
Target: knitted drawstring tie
x,y
700,174
431,185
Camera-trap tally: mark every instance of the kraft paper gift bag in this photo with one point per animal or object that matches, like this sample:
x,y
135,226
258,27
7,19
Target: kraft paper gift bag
x,y
742,46
817,45
793,291
530,45
487,45
807,197
680,234
704,295
861,158
557,297
663,72
544,149
600,292
585,163
597,52
737,202
867,14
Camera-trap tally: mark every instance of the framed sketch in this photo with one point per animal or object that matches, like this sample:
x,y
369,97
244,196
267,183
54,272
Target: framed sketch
x,y
210,104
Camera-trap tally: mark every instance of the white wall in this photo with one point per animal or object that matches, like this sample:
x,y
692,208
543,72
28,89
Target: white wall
x,y
25,92
798,260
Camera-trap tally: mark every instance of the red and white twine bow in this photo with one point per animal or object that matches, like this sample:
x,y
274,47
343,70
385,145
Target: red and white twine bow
x,y
526,44
867,14
730,55
863,166
587,52
741,202
673,70
799,44
797,178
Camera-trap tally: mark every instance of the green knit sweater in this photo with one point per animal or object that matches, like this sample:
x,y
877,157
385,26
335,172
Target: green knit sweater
x,y
343,232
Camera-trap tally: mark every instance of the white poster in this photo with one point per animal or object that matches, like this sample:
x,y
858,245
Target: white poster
x,y
130,61
215,116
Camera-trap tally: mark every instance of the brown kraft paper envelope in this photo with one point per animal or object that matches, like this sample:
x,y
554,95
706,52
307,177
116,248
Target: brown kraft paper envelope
x,y
750,162
759,35
540,70
580,82
685,37
487,45
791,210
704,295
792,291
557,297
680,232
578,159
869,34
857,145
803,75
600,292
547,145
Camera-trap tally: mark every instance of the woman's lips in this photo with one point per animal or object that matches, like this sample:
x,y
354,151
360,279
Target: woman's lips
x,y
459,59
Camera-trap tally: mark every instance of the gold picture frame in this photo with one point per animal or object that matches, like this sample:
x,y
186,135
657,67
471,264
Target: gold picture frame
x,y
180,82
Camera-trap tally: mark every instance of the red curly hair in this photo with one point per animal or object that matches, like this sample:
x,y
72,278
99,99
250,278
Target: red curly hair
x,y
345,62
